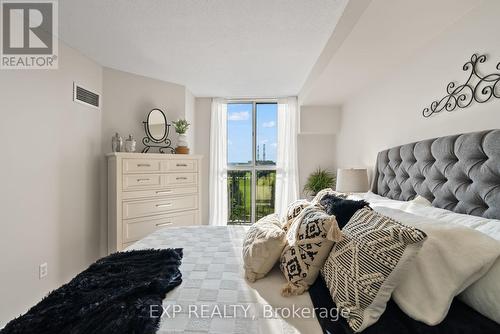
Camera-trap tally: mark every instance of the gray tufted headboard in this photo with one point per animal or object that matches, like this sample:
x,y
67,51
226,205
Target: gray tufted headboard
x,y
460,173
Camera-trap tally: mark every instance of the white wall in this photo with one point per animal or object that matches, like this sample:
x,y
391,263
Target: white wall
x,y
189,115
318,128
390,113
128,98
51,148
322,120
202,146
315,151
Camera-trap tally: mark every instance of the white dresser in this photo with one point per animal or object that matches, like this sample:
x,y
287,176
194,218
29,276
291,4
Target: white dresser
x,y
150,191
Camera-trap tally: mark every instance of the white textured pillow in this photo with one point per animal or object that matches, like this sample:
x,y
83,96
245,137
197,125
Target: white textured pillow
x,y
421,200
452,258
377,200
262,247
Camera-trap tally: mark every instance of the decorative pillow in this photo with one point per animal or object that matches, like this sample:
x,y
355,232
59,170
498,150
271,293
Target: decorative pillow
x,y
342,209
262,247
293,211
309,241
365,267
421,200
327,191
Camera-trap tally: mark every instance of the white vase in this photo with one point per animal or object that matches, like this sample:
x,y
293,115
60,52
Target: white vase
x,y
182,140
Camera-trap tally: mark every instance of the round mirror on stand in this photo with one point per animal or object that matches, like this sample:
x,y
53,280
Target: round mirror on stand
x,y
157,128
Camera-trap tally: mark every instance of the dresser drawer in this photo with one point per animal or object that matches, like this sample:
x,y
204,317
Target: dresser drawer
x,y
141,165
180,179
144,208
180,165
136,229
138,194
138,181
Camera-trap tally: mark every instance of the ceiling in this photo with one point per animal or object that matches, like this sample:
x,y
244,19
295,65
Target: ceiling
x,y
385,34
227,48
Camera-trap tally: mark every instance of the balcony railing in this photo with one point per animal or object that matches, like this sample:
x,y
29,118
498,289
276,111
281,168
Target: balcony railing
x,y
240,195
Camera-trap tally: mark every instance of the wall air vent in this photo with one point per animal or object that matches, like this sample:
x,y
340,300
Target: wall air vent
x,y
86,97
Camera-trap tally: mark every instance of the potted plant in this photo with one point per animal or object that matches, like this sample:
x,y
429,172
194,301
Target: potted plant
x,y
319,180
181,127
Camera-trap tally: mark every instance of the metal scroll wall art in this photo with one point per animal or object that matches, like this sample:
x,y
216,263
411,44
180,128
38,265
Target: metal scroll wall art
x,y
479,88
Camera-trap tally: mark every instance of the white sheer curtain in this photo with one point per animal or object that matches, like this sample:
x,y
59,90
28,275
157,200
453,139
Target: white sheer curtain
x,y
287,184
218,163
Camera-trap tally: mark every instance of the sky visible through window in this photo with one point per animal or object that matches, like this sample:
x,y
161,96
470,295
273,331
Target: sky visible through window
x,y
239,143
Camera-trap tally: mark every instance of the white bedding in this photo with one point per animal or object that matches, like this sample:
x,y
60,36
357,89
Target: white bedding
x,y
491,227
483,295
444,267
213,282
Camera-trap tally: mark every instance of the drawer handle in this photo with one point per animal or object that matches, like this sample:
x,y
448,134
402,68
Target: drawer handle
x,y
143,165
164,192
163,224
181,178
143,180
163,205
181,165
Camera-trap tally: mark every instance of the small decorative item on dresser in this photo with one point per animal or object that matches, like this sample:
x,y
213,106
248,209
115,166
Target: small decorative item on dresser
x,y
130,144
116,143
157,129
181,127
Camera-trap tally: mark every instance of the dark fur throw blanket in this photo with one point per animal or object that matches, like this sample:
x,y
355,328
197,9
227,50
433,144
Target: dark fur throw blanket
x,y
114,295
343,209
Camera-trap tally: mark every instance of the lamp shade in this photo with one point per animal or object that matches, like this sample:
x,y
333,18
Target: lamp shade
x,y
352,180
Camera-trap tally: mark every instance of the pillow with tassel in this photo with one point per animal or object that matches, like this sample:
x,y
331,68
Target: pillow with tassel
x,y
309,241
262,247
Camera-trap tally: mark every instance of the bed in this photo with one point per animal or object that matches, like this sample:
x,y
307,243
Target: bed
x,y
459,173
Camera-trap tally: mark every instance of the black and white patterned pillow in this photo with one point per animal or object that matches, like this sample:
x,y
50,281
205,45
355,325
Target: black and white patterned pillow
x,y
365,267
293,211
309,241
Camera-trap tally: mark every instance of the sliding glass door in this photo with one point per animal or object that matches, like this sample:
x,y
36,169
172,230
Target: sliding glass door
x,y
251,147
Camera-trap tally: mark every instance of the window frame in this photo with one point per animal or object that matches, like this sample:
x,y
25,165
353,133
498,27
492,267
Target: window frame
x,y
252,167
